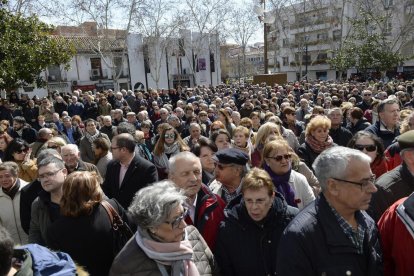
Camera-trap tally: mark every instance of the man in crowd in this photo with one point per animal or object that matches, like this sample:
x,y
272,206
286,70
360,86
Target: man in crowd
x,y
195,135
71,156
397,183
22,130
127,172
387,126
340,135
206,209
230,169
333,235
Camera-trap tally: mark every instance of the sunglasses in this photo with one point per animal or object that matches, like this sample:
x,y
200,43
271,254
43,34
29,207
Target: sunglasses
x,y
21,150
166,136
369,148
280,157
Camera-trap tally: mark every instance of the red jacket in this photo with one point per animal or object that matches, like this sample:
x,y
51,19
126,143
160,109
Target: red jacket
x,y
397,243
379,167
209,214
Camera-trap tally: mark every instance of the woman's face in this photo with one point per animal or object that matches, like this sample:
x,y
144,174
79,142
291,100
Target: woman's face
x,y
320,134
221,118
367,146
7,180
279,161
256,120
20,154
173,229
97,151
169,137
206,158
222,142
258,203
240,139
3,144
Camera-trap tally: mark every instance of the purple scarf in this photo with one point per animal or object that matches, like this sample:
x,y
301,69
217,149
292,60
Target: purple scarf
x,y
281,183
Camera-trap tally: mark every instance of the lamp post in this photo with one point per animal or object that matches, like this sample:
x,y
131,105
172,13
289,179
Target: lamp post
x,y
306,55
266,18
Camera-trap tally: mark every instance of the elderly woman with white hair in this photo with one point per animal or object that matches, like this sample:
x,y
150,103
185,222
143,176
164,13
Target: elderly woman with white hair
x,y
163,244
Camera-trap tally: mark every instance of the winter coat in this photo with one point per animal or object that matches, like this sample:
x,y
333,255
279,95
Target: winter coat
x,y
315,244
246,247
386,136
132,260
85,148
209,212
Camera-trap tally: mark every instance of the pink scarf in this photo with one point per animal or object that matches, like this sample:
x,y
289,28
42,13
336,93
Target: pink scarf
x,y
175,254
318,146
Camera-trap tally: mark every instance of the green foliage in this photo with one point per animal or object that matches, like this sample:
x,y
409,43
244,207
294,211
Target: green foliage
x,y
365,48
26,49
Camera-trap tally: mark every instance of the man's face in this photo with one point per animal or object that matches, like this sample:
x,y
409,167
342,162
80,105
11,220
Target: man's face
x,y
367,96
303,104
67,123
187,176
116,151
390,115
195,132
91,128
7,180
258,203
352,197
163,115
17,126
226,173
131,119
335,117
70,157
107,122
51,178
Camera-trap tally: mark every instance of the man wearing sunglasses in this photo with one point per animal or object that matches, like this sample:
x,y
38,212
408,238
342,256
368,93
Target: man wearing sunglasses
x,y
397,183
334,235
230,170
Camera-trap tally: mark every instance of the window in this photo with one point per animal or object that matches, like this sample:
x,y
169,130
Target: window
x,y
285,61
285,42
337,34
388,3
387,27
54,73
322,56
322,36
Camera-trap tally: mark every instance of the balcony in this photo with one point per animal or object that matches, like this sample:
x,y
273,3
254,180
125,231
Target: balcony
x,y
55,78
98,74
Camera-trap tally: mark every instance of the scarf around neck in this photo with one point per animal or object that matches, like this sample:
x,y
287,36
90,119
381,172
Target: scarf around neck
x,y
178,255
282,185
318,146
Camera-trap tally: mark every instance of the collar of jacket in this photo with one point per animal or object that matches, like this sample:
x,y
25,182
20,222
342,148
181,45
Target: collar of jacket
x,y
335,237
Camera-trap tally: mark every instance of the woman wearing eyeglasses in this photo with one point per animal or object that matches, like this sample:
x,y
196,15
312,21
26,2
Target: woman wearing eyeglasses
x,y
248,239
84,229
293,186
372,146
19,152
163,244
168,145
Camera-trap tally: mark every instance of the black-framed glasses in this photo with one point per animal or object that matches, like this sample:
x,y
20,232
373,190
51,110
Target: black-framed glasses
x,y
42,177
280,157
369,148
363,184
176,222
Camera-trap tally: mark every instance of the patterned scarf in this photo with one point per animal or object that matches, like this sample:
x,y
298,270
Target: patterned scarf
x,y
92,138
318,146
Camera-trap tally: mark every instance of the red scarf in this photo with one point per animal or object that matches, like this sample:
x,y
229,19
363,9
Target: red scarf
x,y
318,146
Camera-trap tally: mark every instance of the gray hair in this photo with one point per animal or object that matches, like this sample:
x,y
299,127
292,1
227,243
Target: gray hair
x,y
333,163
153,205
334,109
184,155
51,160
193,125
10,166
46,153
72,147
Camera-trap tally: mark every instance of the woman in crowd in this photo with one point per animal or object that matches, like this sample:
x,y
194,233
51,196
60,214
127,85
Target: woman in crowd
x,y
77,122
356,119
163,243
56,143
205,150
221,138
317,139
104,108
46,109
5,140
10,190
372,146
169,144
248,239
84,230
255,117
216,125
101,148
85,145
19,151
277,162
225,118
266,131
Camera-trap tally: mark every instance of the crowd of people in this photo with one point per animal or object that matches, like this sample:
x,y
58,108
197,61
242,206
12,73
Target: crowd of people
x,y
305,178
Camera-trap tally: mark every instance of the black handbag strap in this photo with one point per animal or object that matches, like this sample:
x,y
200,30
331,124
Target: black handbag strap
x,y
114,217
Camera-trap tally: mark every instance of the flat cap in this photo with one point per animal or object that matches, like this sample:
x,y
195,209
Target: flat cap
x,y
406,140
231,156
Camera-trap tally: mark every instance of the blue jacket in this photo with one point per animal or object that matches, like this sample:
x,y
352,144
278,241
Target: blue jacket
x,y
386,136
315,244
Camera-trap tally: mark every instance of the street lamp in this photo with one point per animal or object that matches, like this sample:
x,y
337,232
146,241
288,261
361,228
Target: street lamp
x,y
266,18
306,56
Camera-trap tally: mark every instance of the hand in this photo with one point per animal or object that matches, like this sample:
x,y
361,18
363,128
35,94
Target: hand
x,y
27,156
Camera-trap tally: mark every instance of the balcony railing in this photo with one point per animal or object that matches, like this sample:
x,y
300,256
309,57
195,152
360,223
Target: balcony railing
x,y
98,74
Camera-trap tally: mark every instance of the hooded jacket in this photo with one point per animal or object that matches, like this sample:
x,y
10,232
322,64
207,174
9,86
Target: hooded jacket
x,y
246,247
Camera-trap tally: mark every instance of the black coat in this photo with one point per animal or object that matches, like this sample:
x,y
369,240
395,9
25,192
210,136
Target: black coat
x,y
245,247
315,244
29,134
386,136
87,239
307,155
392,186
27,195
340,136
362,124
140,174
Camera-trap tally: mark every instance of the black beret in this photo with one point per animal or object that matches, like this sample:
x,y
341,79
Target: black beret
x,y
406,140
231,156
